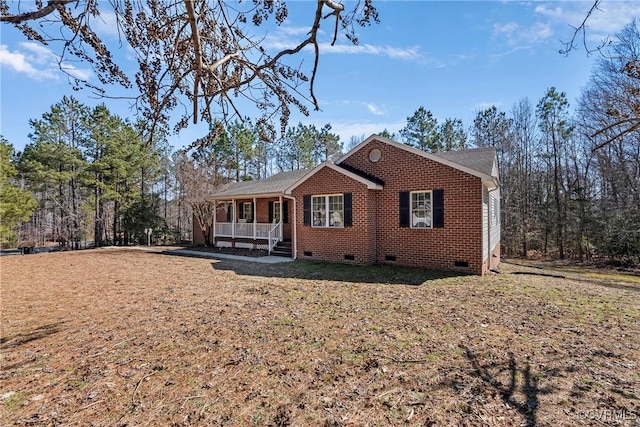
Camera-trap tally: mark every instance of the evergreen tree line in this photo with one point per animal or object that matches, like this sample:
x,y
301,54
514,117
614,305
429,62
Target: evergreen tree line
x,y
88,177
570,179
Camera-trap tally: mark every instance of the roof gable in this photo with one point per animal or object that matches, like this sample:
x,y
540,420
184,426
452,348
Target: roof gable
x,y
478,162
371,185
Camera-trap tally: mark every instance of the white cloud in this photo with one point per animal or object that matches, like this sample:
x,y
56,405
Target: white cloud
x,y
14,60
289,37
407,54
38,62
609,18
555,21
515,34
348,130
508,28
486,105
106,25
24,63
293,31
375,110
78,73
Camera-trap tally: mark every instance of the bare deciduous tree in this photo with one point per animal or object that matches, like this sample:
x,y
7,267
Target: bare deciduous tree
x,y
204,55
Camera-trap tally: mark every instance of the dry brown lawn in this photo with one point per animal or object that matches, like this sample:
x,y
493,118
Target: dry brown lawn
x,y
129,338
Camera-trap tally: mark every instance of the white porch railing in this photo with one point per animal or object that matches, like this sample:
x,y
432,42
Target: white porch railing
x,y
275,234
243,229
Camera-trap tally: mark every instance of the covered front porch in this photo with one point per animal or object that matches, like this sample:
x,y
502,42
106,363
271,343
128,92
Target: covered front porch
x,y
257,223
256,214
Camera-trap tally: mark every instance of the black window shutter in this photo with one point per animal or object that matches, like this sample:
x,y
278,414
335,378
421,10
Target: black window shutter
x,y
271,213
347,209
240,211
229,207
438,208
285,211
306,209
404,208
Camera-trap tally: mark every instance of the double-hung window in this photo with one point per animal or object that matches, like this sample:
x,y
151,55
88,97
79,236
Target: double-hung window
x,y
421,212
327,211
247,211
276,212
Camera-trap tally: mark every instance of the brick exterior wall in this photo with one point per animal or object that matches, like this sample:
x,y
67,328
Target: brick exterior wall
x,y
198,238
376,236
332,244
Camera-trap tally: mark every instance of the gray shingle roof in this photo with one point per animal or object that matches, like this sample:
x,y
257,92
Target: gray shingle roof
x,y
480,159
273,185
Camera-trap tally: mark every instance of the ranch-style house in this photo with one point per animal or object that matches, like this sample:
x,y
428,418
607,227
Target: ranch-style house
x,y
382,202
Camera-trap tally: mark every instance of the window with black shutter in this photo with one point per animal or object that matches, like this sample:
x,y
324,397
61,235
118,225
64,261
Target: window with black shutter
x,y
306,209
404,208
438,208
421,209
347,209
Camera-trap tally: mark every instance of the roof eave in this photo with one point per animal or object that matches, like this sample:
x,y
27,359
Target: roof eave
x,y
225,197
369,184
483,176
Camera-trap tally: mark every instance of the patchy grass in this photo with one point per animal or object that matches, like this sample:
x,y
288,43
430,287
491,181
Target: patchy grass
x,y
124,337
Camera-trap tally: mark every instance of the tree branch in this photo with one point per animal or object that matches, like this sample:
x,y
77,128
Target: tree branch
x,y
571,44
51,7
619,134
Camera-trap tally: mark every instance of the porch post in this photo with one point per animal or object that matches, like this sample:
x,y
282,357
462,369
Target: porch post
x,y
233,218
215,214
281,217
255,224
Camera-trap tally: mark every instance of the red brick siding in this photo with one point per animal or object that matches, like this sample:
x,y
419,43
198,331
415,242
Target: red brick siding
x,y
198,237
376,233
221,213
332,244
461,237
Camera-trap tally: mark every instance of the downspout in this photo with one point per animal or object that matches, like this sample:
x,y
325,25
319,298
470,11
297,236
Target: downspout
x,y
281,221
488,230
489,191
294,232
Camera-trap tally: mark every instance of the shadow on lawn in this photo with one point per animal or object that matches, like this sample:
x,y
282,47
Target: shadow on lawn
x,y
36,334
315,270
488,375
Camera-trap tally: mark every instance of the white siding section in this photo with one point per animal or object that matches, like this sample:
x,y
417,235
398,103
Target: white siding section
x,y
494,209
485,223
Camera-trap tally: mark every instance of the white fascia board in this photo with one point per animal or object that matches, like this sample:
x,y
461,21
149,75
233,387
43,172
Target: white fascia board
x,y
242,196
369,184
484,177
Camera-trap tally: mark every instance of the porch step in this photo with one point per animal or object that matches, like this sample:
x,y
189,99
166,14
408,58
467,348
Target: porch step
x,y
282,249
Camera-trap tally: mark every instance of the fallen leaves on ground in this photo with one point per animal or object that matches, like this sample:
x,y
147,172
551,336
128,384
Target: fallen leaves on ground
x,y
123,337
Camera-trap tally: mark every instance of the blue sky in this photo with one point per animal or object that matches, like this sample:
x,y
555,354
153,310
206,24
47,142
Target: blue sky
x,y
454,58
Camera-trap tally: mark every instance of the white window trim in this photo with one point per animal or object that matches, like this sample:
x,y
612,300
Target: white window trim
x,y
276,212
326,210
411,193
244,210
